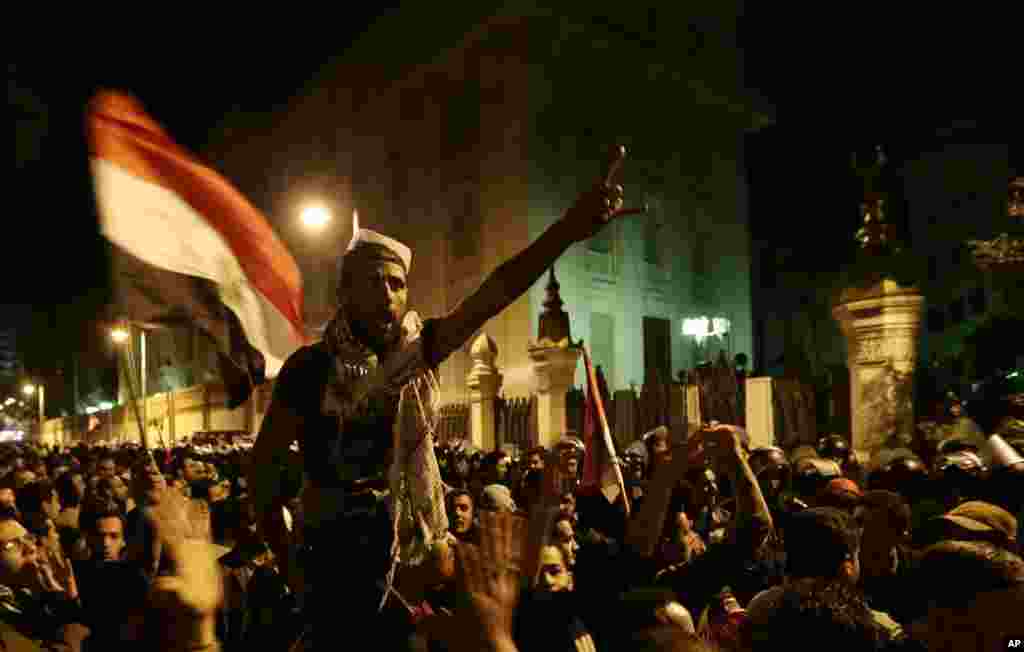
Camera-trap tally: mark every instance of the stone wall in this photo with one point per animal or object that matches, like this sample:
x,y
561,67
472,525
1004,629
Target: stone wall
x,y
171,417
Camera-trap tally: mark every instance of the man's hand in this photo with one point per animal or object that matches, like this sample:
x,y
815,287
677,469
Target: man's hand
x,y
487,576
63,573
602,204
189,598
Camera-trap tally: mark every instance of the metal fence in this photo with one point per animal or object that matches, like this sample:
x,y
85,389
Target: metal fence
x,y
454,423
516,422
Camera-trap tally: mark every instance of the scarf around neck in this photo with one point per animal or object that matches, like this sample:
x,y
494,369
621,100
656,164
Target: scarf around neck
x,y
414,477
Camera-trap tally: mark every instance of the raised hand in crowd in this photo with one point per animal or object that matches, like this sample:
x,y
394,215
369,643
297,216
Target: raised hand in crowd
x,y
185,602
54,571
487,580
722,445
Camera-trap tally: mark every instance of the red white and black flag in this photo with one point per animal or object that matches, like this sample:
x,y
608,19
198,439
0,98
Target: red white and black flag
x,y
188,248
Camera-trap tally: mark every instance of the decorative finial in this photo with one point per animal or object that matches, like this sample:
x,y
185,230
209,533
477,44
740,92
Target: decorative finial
x,y
554,321
1016,200
874,235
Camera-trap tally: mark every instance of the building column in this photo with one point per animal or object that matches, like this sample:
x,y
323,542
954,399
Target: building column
x,y
484,383
555,369
881,330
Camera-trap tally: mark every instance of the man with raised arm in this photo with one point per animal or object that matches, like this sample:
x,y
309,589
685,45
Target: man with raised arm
x,y
362,405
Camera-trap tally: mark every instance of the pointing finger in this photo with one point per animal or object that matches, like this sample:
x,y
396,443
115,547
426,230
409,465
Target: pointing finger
x,y
615,159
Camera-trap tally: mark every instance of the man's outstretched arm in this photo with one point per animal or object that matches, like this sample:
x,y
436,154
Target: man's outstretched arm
x,y
592,211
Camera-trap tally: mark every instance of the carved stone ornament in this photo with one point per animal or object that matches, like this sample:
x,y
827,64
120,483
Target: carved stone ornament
x,y
871,350
553,329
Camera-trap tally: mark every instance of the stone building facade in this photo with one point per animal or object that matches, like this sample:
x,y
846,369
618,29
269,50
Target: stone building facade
x,y
467,143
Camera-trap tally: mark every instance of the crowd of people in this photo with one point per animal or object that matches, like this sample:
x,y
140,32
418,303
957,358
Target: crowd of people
x,y
723,548
346,526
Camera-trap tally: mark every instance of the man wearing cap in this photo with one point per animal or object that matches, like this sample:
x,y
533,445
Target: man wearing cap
x,y
363,403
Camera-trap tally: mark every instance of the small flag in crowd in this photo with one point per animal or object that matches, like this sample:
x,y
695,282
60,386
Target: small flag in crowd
x,y
189,248
600,466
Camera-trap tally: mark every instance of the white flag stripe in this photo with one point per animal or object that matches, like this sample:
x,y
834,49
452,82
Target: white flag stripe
x,y
158,227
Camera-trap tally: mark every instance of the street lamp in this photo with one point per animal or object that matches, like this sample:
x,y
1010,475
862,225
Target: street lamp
x,y
122,335
315,217
29,389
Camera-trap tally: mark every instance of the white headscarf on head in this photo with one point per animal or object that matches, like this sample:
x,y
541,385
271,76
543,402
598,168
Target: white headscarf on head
x,y
370,237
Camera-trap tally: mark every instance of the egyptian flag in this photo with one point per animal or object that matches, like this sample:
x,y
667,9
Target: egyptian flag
x,y
600,467
187,248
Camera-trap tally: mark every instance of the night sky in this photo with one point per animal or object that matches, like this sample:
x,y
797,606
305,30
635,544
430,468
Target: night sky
x,y
838,79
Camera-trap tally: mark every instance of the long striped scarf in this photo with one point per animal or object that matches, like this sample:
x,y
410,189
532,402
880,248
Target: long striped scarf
x,y
416,490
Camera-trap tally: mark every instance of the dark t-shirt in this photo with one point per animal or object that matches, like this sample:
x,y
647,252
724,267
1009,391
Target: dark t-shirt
x,y
336,457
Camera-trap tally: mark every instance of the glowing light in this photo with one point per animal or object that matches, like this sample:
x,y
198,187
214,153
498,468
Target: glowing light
x,y
106,405
11,435
120,335
91,410
701,328
29,390
315,217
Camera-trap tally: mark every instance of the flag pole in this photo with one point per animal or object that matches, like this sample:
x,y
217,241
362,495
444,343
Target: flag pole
x,y
133,399
606,432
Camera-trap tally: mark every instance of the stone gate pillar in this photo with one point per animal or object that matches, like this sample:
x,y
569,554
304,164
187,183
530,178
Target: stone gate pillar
x,y
484,383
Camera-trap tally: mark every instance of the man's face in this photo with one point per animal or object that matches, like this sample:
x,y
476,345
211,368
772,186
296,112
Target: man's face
x,y
463,514
148,482
109,538
17,554
567,505
193,470
956,410
375,298
566,540
554,575
6,497
535,462
106,468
